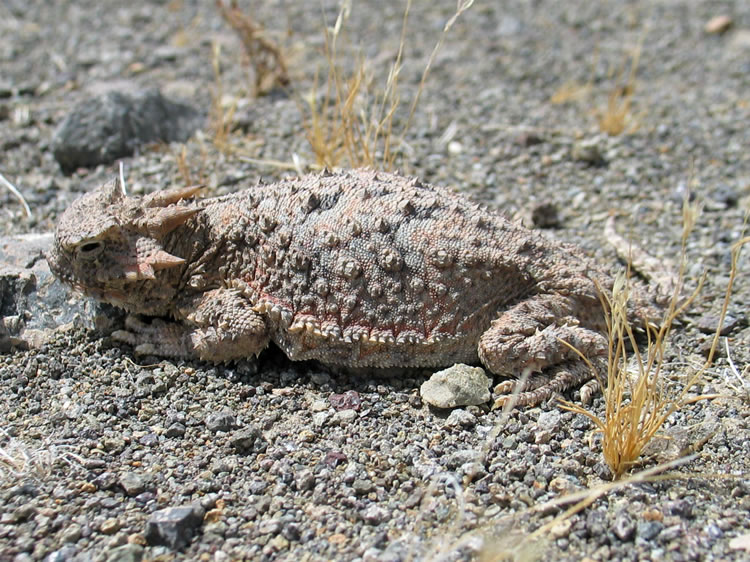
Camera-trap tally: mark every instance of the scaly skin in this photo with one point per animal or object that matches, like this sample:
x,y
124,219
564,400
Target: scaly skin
x,y
356,268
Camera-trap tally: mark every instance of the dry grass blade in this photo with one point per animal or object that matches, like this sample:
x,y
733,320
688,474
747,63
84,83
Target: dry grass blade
x,y
635,410
265,57
743,384
221,117
189,173
17,193
461,7
443,542
570,91
342,127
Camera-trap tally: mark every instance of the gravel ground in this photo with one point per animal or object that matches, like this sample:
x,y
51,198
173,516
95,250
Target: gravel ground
x,y
280,460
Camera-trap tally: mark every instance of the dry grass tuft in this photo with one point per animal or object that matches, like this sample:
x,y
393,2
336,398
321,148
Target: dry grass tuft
x,y
636,407
616,117
350,122
354,125
18,460
263,55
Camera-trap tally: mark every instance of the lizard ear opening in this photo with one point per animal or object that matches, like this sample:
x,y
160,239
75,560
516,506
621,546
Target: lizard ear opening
x,y
89,249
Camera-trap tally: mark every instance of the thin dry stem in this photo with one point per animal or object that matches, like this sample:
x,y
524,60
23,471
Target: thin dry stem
x,y
461,7
580,500
17,193
263,55
19,460
221,120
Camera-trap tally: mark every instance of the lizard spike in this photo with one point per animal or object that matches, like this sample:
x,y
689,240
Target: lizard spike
x,y
169,196
111,192
165,220
163,260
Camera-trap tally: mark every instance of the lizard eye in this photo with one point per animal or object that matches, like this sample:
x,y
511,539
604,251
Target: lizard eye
x,y
90,249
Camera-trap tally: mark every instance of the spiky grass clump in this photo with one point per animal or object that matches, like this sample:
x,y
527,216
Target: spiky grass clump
x,y
638,405
353,124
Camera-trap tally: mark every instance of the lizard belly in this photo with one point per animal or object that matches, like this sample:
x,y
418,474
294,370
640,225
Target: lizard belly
x,y
305,345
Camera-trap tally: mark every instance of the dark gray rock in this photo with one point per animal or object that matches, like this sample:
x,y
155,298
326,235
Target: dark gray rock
x,y
173,526
105,481
545,215
115,124
175,430
649,530
709,322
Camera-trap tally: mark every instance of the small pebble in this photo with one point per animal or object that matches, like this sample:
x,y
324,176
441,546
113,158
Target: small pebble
x,y
221,421
459,385
718,24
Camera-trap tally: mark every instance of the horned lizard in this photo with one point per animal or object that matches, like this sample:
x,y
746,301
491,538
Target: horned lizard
x,y
355,268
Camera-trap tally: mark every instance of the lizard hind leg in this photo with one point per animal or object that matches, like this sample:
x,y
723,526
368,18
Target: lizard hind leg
x,y
542,346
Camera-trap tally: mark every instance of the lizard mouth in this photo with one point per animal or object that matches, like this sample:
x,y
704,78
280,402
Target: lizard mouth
x,y
115,297
57,268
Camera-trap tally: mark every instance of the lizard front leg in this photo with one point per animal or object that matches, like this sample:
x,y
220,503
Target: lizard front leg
x,y
218,325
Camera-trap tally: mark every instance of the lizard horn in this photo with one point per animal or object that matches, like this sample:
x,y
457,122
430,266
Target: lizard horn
x,y
163,221
169,196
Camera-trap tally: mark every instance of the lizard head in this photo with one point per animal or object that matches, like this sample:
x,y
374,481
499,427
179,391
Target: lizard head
x,y
110,246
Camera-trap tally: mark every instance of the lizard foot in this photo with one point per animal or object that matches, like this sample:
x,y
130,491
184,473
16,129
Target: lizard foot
x,y
540,387
159,337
